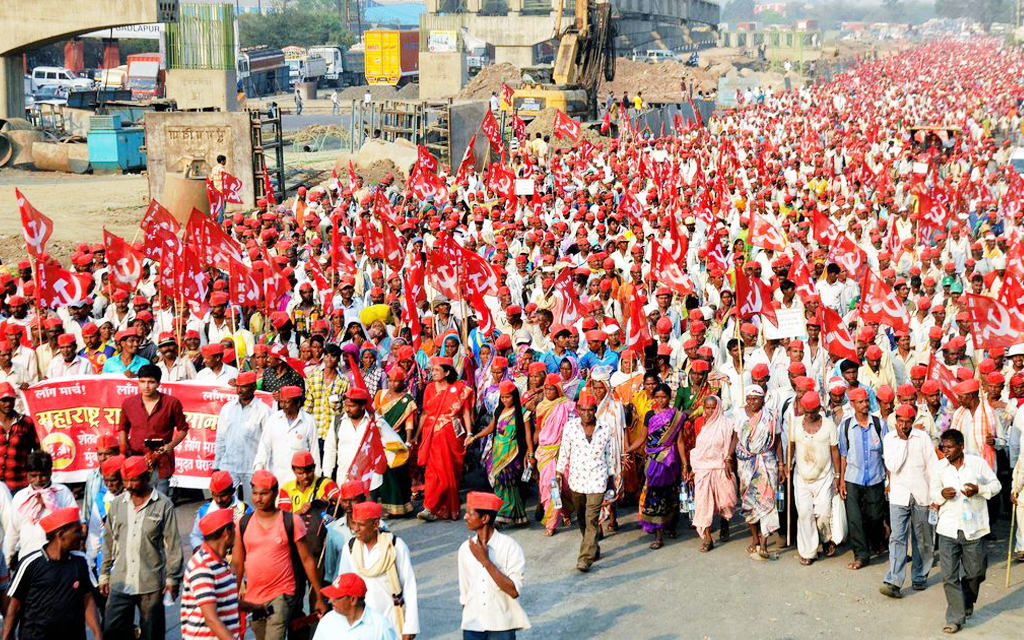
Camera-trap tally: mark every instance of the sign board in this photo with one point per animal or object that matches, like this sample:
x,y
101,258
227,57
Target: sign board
x,y
792,324
439,41
524,187
136,31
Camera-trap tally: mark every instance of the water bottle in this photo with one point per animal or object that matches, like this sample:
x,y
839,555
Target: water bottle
x,y
965,510
168,599
556,494
609,495
528,473
780,500
684,498
933,516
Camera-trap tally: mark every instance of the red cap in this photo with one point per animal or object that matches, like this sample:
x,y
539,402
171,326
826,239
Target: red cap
x,y
134,467
245,378
930,386
111,465
347,584
302,459
352,489
797,368
918,371
7,391
874,352
857,393
107,440
289,392
906,411
263,479
700,366
553,379
214,521
65,339
215,349
485,501
358,394
506,387
218,298
59,518
367,511
278,319
994,378
760,370
587,400
885,393
906,390
810,401
220,481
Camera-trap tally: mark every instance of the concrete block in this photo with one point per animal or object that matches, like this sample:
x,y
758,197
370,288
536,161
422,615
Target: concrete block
x,y
520,56
441,74
202,88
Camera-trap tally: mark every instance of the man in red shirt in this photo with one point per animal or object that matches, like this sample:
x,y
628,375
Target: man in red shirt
x,y
17,440
152,424
273,564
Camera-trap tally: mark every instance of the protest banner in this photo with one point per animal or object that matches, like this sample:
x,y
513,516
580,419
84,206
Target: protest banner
x,y
70,413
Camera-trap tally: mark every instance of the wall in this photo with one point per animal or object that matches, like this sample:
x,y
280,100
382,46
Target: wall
x,y
441,74
202,89
173,138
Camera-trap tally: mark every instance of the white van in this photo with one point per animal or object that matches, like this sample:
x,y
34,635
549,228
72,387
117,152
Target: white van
x,y
57,76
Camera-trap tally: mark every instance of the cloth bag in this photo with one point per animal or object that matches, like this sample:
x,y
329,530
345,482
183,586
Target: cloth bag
x,y
838,524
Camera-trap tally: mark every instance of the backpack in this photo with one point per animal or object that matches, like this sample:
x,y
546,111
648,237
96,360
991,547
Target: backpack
x,y
876,422
298,571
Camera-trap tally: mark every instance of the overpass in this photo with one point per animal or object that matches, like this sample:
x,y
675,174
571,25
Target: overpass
x,y
28,24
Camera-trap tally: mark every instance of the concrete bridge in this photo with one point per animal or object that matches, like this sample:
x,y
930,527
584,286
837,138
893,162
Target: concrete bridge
x,y
27,24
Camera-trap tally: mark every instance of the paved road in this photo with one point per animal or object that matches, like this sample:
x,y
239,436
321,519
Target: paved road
x,y
677,592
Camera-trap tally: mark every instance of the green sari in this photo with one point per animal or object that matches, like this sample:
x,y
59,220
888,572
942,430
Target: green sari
x,y
395,494
504,469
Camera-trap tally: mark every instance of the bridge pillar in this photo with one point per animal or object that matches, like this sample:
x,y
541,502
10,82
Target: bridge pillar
x,y
12,87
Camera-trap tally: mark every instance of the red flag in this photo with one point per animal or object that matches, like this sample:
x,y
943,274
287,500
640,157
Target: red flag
x,y
631,208
946,379
638,332
753,297
191,276
394,247
716,251
493,132
124,260
468,162
825,231
992,324
268,188
369,458
518,128
800,274
210,241
425,160
232,189
507,93
37,227
243,285
835,336
879,303
427,184
696,113
59,287
158,216
570,309
606,122
443,267
316,273
566,127
501,181
341,261
484,321
849,256
668,271
214,196
766,235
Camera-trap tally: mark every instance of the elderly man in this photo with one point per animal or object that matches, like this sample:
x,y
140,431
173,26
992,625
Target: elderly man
x,y
240,426
68,363
862,484
383,561
350,618
346,436
286,431
174,367
214,370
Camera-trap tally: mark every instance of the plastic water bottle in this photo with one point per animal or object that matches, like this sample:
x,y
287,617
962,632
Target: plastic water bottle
x,y
609,495
528,473
684,498
780,499
556,494
965,509
168,599
933,516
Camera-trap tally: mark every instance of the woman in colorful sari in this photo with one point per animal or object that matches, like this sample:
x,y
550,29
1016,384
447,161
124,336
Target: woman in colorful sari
x,y
628,378
758,449
634,461
709,467
659,501
451,348
398,408
572,381
552,412
610,413
510,449
447,413
373,375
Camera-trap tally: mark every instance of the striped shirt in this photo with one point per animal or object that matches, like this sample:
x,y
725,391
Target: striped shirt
x,y
208,579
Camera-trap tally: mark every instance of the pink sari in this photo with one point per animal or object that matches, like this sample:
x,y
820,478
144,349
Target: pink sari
x,y
551,418
714,490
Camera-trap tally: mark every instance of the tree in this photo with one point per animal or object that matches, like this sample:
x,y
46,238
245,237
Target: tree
x,y
984,12
301,27
738,11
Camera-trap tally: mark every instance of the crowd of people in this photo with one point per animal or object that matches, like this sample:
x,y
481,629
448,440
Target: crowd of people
x,y
765,314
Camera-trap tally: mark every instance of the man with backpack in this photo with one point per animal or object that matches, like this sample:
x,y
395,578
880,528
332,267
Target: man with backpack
x,y
273,562
862,477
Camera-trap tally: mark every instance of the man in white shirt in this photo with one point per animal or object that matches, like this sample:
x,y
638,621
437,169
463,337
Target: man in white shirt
x,y
382,560
174,367
29,505
586,452
909,460
287,430
491,567
345,436
215,371
68,363
239,430
350,617
961,485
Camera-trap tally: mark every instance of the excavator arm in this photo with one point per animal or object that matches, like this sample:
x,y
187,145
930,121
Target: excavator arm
x,y
586,49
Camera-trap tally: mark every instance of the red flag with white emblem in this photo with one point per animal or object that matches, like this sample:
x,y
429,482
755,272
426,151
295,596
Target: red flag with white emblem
x,y
566,127
232,191
765,234
124,260
638,331
992,324
507,93
879,303
753,297
835,336
37,227
59,287
492,130
468,162
244,285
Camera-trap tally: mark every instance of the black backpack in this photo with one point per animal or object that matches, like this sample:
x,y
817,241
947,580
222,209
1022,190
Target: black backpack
x,y
298,571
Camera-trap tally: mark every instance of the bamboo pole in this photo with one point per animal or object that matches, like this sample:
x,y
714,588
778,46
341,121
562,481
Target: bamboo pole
x,y
1009,545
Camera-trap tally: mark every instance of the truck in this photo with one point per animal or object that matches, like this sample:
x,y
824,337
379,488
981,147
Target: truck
x,y
343,69
145,76
308,69
261,71
392,56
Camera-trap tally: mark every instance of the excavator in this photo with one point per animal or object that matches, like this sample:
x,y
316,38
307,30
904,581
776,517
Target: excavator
x,y
586,49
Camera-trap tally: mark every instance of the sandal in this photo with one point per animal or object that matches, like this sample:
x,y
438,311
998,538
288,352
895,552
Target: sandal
x,y
807,561
752,548
830,549
707,545
548,533
1019,556
657,544
952,628
856,565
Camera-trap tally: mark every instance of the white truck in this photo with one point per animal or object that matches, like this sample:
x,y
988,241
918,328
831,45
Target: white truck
x,y
308,69
57,77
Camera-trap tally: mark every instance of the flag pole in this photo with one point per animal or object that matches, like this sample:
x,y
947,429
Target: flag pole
x,y
234,338
1009,545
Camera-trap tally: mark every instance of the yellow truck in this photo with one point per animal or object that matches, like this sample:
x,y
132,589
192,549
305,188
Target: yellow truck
x,y
392,56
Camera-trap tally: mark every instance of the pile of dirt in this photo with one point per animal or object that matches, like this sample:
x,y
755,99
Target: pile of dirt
x,y
376,158
379,92
489,79
410,91
544,123
660,81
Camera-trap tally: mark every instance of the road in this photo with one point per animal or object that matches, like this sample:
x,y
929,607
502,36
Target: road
x,y
678,592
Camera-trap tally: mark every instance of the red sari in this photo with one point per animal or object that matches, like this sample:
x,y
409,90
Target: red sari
x,y
441,446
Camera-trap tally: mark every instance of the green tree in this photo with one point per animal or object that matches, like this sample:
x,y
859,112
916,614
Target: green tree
x,y
984,11
294,26
738,11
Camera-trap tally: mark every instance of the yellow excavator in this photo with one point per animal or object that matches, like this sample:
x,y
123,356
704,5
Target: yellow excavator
x,y
586,49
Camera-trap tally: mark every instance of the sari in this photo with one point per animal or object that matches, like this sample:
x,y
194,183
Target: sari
x,y
441,450
571,387
757,468
551,417
610,412
504,468
395,494
659,501
633,463
693,404
713,488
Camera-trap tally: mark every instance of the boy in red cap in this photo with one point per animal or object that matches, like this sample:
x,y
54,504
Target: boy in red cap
x,y
52,594
349,616
209,597
383,561
489,557
224,496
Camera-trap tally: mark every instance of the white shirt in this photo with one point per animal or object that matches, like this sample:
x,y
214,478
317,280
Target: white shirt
x,y
589,460
378,593
224,376
239,432
909,463
485,607
969,515
25,534
182,369
58,368
370,626
281,438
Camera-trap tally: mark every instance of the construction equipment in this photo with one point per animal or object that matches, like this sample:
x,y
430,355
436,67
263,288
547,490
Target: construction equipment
x,y
586,49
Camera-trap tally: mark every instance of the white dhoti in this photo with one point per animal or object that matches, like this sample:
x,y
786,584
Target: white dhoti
x,y
1018,543
814,513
